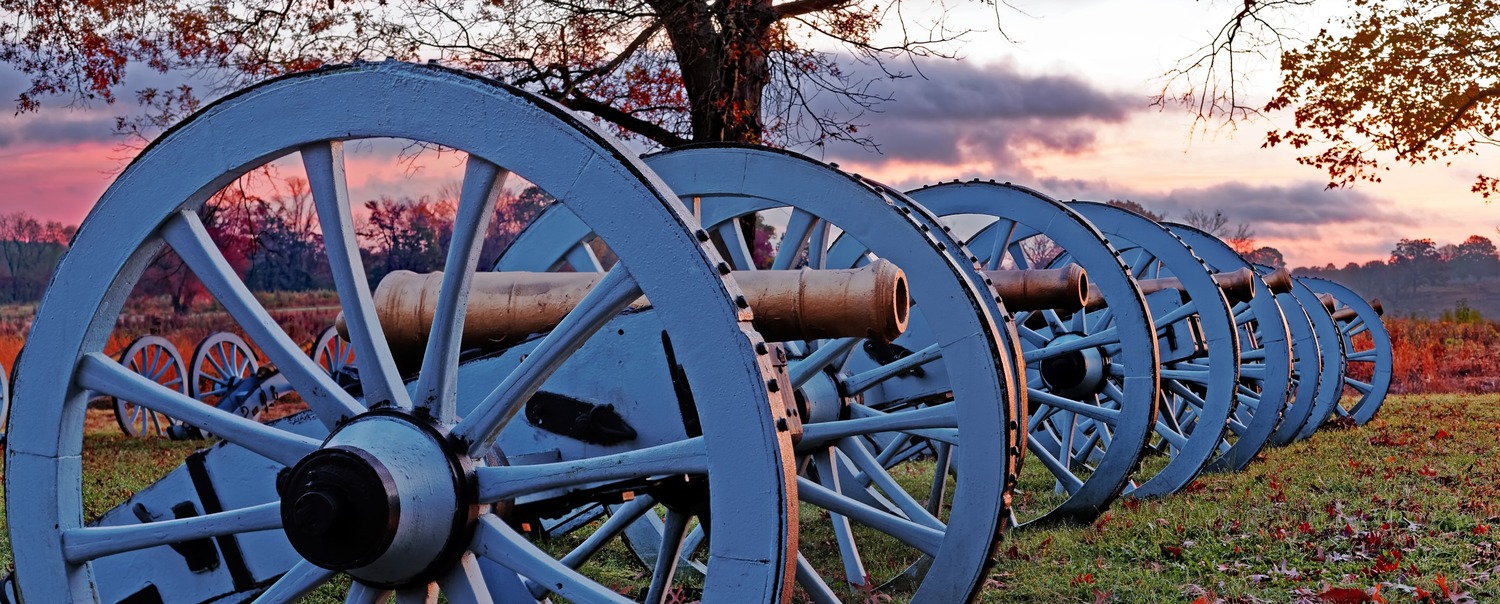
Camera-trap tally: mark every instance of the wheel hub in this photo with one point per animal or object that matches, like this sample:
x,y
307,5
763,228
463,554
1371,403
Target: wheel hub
x,y
340,509
1076,373
387,499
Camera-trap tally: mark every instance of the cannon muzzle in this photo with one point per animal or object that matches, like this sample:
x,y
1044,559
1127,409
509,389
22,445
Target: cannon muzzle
x,y
506,307
1238,286
1328,301
1279,281
1063,289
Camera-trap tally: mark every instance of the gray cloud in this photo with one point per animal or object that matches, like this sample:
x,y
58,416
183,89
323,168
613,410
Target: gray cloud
x,y
52,127
1296,208
962,111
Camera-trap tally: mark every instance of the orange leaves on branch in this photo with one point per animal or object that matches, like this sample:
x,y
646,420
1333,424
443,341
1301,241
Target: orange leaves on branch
x,y
1410,82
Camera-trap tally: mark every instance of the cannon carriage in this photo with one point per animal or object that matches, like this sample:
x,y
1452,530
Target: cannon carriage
x,y
681,402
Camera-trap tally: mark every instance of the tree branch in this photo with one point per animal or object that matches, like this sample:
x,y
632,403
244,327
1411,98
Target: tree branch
x,y
653,132
801,7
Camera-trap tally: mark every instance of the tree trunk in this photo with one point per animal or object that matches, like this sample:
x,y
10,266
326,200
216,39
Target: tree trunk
x,y
722,56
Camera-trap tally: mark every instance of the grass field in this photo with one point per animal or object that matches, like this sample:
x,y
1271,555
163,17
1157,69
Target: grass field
x,y
1405,509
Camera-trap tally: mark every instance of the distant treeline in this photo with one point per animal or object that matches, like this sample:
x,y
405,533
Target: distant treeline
x,y
273,240
1416,264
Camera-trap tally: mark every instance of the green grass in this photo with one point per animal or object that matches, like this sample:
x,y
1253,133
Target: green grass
x,y
1408,505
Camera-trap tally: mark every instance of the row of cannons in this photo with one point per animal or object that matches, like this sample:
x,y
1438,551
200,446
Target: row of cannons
x,y
223,371
853,417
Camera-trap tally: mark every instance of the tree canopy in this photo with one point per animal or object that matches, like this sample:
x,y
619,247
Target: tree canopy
x,y
666,71
1388,81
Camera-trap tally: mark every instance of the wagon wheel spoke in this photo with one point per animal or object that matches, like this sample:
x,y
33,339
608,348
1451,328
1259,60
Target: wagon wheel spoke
x,y
187,236
1107,337
438,384
811,582
619,519
1141,264
301,580
1110,417
738,250
499,483
924,538
674,528
101,374
1032,336
855,452
997,253
828,355
464,583
610,296
860,382
1362,387
87,543
501,545
825,461
799,230
872,421
1070,482
379,379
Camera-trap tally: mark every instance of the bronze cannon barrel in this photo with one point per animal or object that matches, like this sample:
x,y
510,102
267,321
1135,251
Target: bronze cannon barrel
x,y
1063,289
1328,301
1238,286
1348,314
1279,281
505,307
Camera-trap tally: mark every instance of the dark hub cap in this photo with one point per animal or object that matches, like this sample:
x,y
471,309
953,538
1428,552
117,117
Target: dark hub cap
x,y
1075,374
387,499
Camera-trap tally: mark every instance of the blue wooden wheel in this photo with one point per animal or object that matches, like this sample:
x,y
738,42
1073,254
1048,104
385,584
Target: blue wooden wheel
x,y
1103,424
392,490
156,359
1329,384
4,401
1368,357
1307,364
1265,356
846,476
332,352
1200,361
220,362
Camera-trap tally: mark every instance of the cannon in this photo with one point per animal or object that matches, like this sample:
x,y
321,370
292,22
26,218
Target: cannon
x,y
252,537
1265,356
154,358
1078,483
1368,357
884,392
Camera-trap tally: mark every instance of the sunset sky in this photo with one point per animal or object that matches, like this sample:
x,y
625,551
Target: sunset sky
x,y
1061,107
